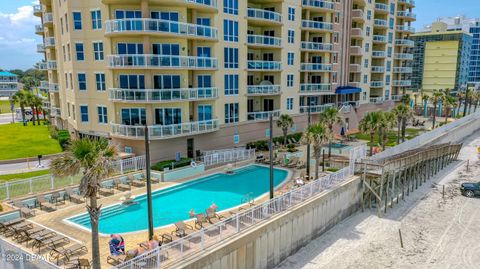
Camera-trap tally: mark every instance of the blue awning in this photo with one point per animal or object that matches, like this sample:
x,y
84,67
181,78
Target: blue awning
x,y
347,90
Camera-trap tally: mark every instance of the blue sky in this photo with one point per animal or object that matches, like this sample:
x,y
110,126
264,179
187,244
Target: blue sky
x,y
18,40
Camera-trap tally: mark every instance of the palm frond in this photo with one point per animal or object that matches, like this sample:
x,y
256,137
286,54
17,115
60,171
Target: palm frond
x,y
65,165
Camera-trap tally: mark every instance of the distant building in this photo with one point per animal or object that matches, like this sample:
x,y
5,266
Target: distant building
x,y
441,59
8,84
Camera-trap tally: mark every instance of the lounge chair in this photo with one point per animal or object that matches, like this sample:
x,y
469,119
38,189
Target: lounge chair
x,y
14,229
200,219
25,235
300,165
260,158
136,182
50,241
66,252
212,214
5,224
166,238
182,229
80,263
43,203
44,234
121,186
57,198
293,162
106,191
115,260
73,197
24,211
148,245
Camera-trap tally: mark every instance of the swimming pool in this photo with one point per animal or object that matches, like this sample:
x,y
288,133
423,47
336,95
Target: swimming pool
x,y
173,204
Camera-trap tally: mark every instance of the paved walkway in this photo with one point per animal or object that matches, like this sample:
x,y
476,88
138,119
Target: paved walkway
x,y
24,167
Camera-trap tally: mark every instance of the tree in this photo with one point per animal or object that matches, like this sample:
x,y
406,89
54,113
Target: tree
x,y
20,98
387,121
316,135
406,99
403,113
31,103
460,98
436,98
415,100
425,98
370,124
38,103
93,158
330,117
476,100
285,122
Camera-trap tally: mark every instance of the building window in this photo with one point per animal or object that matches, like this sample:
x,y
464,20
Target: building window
x,y
133,116
84,113
100,81
231,57
66,23
230,30
365,79
368,31
365,64
291,13
390,38
231,84
132,82
204,112
79,51
231,113
98,51
367,47
230,7
291,36
102,114
290,80
291,58
168,116
369,14
82,81
289,103
77,20
96,19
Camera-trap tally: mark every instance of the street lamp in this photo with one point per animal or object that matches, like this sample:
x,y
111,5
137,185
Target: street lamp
x,y
149,183
308,145
271,155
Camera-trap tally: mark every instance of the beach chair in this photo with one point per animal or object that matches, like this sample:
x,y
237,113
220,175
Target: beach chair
x,y
57,198
212,214
115,260
260,158
44,204
80,263
5,224
293,162
40,235
300,165
50,241
73,197
24,211
106,191
155,178
136,181
14,229
182,229
121,186
66,253
24,235
200,219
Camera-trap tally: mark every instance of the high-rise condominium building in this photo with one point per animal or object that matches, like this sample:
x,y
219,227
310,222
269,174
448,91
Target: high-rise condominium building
x,y
8,84
206,74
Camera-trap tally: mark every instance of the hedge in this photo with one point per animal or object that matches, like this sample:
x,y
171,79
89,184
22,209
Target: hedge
x,y
168,164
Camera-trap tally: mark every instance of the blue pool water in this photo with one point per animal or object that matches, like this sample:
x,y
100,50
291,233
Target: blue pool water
x,y
173,204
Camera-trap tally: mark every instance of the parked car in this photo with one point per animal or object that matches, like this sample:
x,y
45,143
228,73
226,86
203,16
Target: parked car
x,y
470,189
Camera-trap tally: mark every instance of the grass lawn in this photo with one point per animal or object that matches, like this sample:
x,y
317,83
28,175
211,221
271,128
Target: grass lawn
x,y
5,106
4,178
18,141
392,136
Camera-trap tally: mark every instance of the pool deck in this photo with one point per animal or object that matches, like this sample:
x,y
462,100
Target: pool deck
x,y
56,220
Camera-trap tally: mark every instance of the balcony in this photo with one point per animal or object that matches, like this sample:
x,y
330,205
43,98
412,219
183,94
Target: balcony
x,y
264,41
356,50
357,33
39,30
315,67
264,16
377,100
40,48
43,85
381,8
206,4
37,10
264,66
160,27
48,19
42,66
402,83
317,26
45,66
263,90
410,3
46,105
405,43
320,5
53,87
358,15
262,115
379,39
314,46
402,70
55,112
161,96
379,54
380,23
315,88
397,98
404,56
315,108
407,15
355,68
157,132
378,69
161,61
405,29
49,42
377,84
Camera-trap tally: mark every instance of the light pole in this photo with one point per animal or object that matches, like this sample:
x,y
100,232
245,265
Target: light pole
x,y
149,184
308,145
271,155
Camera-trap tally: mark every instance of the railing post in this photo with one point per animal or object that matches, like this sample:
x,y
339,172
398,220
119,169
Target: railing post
x,y
121,166
238,222
52,182
158,257
135,163
202,239
7,188
31,187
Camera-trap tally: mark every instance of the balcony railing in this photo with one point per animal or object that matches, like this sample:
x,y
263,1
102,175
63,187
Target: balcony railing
x,y
55,111
42,66
206,3
40,48
379,54
357,32
316,67
380,23
261,40
53,87
356,50
378,69
406,14
165,131
381,7
314,46
161,61
163,95
377,100
262,115
43,85
39,29
160,26
358,14
355,68
402,83
49,42
265,15
405,28
315,108
405,42
397,98
264,65
404,56
377,84
317,25
51,65
402,70
380,38
408,2
47,18
315,87
263,89
321,4
37,9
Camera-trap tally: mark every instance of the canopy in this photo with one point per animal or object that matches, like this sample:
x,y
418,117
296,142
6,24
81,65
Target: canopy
x,y
348,90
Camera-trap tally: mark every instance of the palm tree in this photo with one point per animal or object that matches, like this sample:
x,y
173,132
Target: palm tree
x,y
316,135
406,99
388,120
460,98
415,100
330,117
403,114
425,98
31,102
285,122
93,158
436,97
20,98
476,99
370,124
449,103
38,103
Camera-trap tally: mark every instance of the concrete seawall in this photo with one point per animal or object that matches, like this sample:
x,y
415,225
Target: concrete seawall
x,y
269,243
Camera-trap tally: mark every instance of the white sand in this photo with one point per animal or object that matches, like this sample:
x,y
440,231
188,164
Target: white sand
x,y
437,232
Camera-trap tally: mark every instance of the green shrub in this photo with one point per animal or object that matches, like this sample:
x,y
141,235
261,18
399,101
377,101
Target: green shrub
x,y
63,138
332,169
291,148
168,164
262,145
53,131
